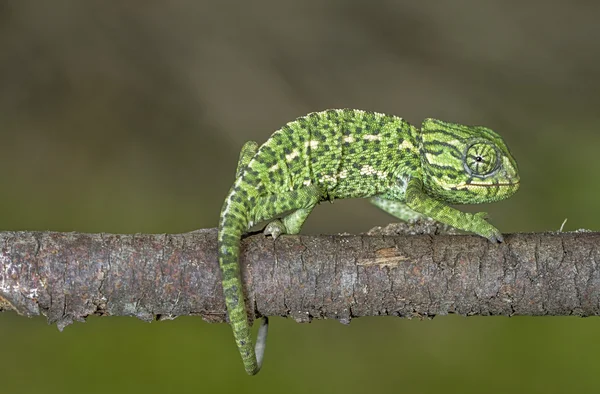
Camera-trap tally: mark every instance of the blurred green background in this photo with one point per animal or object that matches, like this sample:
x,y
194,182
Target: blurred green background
x,y
128,117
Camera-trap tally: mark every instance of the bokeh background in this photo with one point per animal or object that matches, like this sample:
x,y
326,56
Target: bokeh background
x,y
128,117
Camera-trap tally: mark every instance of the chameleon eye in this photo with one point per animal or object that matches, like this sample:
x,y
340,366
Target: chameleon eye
x,y
481,159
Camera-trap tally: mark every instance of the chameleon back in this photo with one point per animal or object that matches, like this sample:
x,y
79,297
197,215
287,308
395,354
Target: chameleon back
x,y
342,153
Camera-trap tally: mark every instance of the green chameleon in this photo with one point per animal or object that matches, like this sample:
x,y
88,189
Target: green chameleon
x,y
348,153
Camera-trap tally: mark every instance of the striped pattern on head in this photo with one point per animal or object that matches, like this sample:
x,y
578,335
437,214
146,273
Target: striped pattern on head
x,y
466,164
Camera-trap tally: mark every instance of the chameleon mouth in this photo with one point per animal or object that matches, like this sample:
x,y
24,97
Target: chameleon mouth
x,y
494,184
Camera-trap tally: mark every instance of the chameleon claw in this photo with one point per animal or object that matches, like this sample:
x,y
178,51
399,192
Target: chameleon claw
x,y
496,238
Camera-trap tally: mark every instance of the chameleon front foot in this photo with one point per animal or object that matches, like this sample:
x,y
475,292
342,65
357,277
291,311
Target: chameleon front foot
x,y
480,226
275,229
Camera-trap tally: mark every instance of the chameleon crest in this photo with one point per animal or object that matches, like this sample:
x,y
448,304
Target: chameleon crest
x,y
346,153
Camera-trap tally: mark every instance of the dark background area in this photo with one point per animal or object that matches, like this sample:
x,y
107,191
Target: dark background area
x,y
127,117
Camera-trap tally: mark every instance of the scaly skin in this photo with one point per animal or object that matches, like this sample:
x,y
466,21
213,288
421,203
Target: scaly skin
x,y
348,153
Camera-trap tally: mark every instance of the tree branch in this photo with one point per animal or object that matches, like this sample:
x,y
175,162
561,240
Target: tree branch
x,y
68,276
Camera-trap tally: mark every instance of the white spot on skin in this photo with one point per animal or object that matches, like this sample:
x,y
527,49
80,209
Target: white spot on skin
x,y
349,139
370,170
343,174
327,178
313,144
307,182
431,158
406,145
291,156
274,167
367,170
371,137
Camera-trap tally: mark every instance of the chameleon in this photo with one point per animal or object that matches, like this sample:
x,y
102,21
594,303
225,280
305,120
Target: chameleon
x,y
408,172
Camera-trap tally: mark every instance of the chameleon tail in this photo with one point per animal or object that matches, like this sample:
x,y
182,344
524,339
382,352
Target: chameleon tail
x,y
231,228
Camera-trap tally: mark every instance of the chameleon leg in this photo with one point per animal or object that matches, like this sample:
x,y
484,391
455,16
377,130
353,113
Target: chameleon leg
x,y
417,200
290,224
246,154
397,209
296,205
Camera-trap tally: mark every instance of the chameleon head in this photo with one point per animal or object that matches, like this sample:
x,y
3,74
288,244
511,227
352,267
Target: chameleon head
x,y
466,164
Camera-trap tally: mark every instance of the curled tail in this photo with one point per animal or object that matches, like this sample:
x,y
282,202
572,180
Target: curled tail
x,y
232,225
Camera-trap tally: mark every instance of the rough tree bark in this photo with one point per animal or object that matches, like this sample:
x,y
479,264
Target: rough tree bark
x,y
68,276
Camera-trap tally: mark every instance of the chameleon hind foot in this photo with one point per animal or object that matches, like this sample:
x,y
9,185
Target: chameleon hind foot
x,y
292,222
275,229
